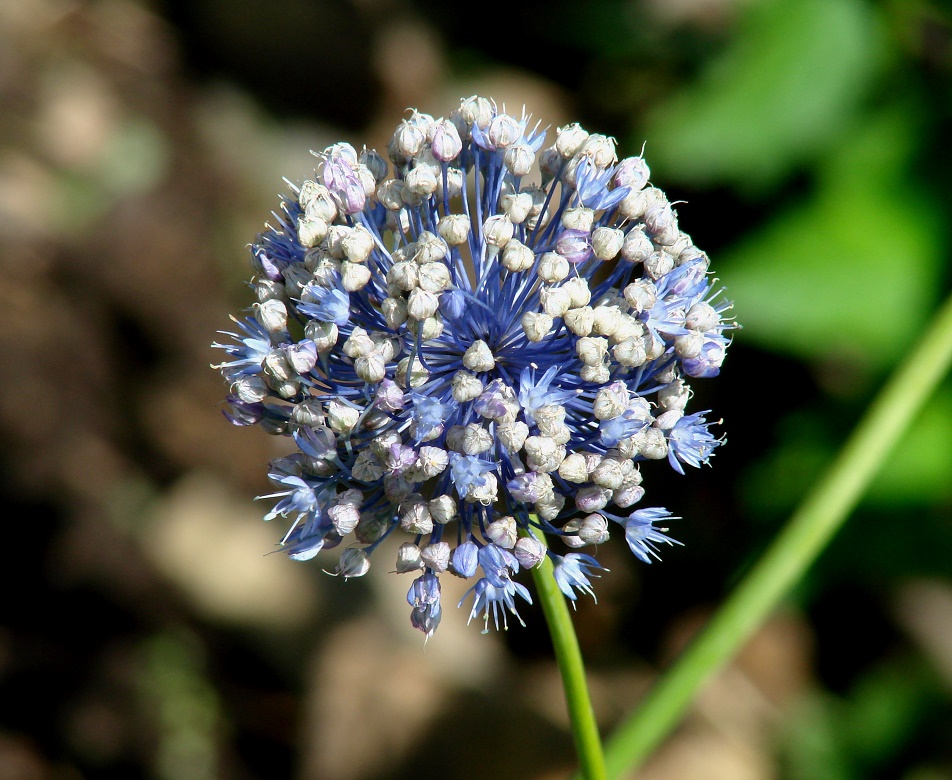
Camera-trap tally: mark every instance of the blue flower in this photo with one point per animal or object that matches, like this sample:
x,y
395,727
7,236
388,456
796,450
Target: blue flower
x,y
458,352
573,571
690,441
642,536
497,599
424,597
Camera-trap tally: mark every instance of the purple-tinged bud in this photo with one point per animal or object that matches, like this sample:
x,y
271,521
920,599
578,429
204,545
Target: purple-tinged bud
x,y
529,551
446,141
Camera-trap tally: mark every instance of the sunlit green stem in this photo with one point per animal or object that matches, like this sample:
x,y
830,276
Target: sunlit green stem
x,y
588,744
809,529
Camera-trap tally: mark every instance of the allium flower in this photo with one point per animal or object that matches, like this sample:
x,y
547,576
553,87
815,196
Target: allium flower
x,y
475,338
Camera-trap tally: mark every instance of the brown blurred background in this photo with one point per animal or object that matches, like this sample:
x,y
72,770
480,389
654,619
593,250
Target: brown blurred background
x,y
144,630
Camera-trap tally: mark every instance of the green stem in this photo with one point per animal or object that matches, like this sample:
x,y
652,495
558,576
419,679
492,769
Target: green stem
x,y
588,744
819,516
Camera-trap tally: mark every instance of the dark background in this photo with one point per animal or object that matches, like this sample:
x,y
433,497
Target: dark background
x,y
143,630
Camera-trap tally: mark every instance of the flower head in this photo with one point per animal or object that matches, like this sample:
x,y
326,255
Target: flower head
x,y
452,339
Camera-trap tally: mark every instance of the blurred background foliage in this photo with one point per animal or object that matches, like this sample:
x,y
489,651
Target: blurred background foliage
x,y
142,631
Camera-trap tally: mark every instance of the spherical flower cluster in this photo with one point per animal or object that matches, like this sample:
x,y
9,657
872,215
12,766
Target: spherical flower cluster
x,y
472,339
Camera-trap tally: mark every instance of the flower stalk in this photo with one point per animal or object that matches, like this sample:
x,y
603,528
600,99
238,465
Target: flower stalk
x,y
568,656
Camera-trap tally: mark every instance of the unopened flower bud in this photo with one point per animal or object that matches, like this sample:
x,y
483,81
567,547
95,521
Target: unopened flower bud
x,y
408,558
503,532
437,556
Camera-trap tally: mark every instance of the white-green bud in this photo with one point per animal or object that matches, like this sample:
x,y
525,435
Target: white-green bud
x,y
344,518
367,467
504,131
552,267
667,420
415,517
517,256
358,244
609,474
519,159
437,556
498,230
548,508
593,529
422,304
354,276
605,320
447,143
311,231
569,140
432,461
390,194
317,202
596,374
641,295
536,325
486,493
577,288
476,111
323,334
394,311
277,366
637,247
599,149
466,387
674,395
454,229
371,368
611,401
652,444
630,352
353,563
503,532
418,373
689,346
574,469
579,218
627,327
607,242
591,350
434,277
580,321
555,301
543,454
512,435
442,509
474,439
516,206
422,181
429,248
662,222
408,558
478,357
272,315
702,317
341,418
408,140
529,551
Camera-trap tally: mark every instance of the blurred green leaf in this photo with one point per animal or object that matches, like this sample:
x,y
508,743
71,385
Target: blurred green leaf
x,y
785,87
920,470
852,273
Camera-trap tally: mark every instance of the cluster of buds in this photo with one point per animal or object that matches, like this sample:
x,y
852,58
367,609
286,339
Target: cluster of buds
x,y
477,334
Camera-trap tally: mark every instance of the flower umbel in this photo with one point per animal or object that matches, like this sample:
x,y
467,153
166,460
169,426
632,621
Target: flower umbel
x,y
475,337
